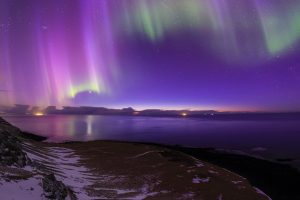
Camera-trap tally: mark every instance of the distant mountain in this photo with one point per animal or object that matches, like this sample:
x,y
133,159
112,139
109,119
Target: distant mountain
x,y
205,114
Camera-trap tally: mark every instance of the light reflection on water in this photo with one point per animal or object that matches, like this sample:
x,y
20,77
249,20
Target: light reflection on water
x,y
89,123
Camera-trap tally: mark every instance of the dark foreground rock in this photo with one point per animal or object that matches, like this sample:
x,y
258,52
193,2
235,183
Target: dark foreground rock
x,y
13,159
11,153
54,189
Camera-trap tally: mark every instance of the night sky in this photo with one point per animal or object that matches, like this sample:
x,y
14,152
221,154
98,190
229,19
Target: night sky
x,y
183,54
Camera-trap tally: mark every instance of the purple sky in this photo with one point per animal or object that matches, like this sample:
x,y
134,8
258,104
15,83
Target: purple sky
x,y
196,54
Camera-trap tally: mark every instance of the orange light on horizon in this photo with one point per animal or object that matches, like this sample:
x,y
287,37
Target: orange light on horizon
x,y
184,114
38,114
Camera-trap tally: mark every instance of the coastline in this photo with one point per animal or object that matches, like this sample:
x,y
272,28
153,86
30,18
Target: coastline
x,y
235,163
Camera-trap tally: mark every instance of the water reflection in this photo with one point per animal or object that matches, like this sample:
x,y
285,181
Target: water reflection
x,y
279,138
89,124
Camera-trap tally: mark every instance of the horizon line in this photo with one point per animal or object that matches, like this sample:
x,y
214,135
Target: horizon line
x,y
157,108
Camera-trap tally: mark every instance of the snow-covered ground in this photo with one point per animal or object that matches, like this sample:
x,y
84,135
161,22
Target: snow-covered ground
x,y
22,189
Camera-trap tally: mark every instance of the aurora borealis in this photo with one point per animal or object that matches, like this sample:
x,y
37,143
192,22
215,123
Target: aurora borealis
x,y
198,54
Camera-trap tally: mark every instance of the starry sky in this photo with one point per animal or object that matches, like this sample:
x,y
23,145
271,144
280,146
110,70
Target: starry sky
x,y
191,54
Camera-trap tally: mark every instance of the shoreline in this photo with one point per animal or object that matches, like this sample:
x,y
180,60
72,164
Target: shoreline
x,y
257,171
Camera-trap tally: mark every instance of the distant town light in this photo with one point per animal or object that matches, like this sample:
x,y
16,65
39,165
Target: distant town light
x,y
184,114
38,114
136,113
